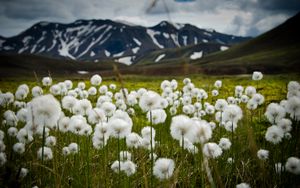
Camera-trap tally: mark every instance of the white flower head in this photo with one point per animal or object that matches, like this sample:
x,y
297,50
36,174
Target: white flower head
x,y
243,185
163,168
66,151
96,80
19,148
36,91
180,126
150,100
275,112
73,148
199,132
250,90
263,154
218,84
47,81
232,113
146,133
225,143
119,128
157,116
257,75
133,140
221,104
212,150
128,167
285,125
44,111
47,153
292,165
274,134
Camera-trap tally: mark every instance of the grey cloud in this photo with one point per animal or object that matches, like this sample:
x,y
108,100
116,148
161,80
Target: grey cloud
x,y
244,17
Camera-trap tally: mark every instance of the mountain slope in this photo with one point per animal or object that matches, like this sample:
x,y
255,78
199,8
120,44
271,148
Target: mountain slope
x,y
277,50
96,40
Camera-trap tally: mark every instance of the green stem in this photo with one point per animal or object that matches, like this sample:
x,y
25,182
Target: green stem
x,y
151,150
119,160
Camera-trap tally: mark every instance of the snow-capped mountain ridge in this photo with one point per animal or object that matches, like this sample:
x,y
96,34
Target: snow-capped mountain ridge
x,y
94,40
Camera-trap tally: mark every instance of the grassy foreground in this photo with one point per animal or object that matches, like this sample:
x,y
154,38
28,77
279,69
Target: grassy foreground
x,y
91,167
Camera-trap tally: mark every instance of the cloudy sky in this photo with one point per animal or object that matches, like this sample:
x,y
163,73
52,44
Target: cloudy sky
x,y
239,17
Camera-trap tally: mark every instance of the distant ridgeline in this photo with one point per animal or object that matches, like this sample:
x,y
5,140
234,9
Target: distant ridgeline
x,y
103,40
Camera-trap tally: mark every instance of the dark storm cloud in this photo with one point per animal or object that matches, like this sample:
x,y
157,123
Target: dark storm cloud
x,y
242,17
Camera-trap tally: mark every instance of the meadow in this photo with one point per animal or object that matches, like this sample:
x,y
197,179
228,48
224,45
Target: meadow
x,y
195,131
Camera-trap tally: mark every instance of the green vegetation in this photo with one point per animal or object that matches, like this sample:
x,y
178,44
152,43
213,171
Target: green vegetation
x,y
91,167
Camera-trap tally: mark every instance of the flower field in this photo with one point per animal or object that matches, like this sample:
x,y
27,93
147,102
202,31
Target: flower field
x,y
231,131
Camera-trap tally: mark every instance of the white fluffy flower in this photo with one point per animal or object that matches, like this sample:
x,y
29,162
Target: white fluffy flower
x,y
292,165
133,140
96,80
250,90
274,134
109,108
23,172
232,113
36,91
19,148
263,154
157,116
199,132
225,143
243,185
44,111
128,167
257,75
73,148
163,168
47,81
285,125
12,131
275,112
96,115
212,150
116,166
218,84
293,107
221,104
119,128
252,104
50,141
146,133
150,100
3,158
258,98
47,153
180,126
65,151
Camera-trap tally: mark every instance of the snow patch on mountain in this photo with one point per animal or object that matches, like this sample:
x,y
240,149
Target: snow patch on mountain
x,y
175,39
166,35
126,60
152,34
196,55
118,54
135,50
160,57
107,53
137,41
223,48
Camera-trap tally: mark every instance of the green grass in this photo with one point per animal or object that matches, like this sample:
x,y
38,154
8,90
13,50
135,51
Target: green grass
x,y
91,167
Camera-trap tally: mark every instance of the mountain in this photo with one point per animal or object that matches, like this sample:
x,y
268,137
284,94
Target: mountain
x,y
98,40
276,51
